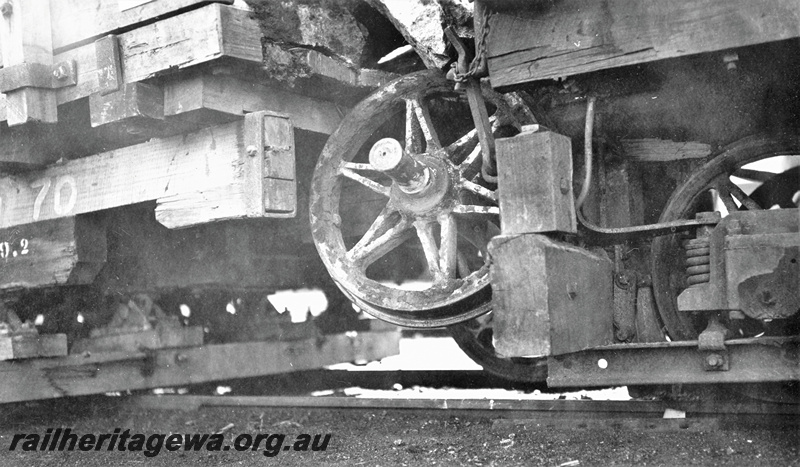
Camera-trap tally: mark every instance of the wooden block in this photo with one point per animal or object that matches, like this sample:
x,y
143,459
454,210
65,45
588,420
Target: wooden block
x,y
109,64
196,178
21,146
24,40
98,17
550,298
580,36
208,99
22,37
64,251
173,43
31,105
32,346
663,150
163,337
543,204
119,371
133,103
228,255
136,110
268,151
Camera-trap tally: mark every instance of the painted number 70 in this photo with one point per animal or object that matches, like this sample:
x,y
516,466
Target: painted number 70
x,y
65,195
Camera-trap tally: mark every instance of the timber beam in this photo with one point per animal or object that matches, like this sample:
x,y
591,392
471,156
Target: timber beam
x,y
547,40
102,372
211,33
144,255
64,251
209,99
217,173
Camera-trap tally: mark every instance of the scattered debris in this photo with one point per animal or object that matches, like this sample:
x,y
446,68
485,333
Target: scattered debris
x,y
225,428
288,424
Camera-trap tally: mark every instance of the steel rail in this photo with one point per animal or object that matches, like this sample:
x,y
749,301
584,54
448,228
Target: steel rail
x,y
498,408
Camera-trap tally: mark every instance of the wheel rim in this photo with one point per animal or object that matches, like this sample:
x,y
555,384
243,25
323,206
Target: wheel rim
x,y
667,266
474,337
445,225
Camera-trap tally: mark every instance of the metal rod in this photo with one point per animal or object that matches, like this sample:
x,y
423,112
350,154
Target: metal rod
x,y
587,152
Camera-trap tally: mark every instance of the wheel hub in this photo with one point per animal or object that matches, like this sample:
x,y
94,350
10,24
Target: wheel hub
x,y
422,184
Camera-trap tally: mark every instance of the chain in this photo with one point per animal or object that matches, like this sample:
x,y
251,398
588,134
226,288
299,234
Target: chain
x,y
478,66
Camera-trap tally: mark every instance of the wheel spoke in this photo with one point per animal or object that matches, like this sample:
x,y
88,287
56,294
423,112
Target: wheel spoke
x,y
755,175
462,265
470,209
459,149
479,190
387,218
739,194
358,166
371,184
426,124
414,134
372,245
471,158
448,251
426,238
726,199
464,147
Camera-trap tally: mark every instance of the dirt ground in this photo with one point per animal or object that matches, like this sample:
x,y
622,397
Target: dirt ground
x,y
384,438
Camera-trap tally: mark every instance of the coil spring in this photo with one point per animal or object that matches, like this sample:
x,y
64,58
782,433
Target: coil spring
x,y
698,261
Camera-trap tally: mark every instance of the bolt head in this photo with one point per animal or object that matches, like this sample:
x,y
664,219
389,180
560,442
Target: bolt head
x,y
564,185
714,360
61,72
252,151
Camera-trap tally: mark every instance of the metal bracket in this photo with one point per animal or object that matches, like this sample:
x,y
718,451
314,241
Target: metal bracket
x,y
711,342
38,75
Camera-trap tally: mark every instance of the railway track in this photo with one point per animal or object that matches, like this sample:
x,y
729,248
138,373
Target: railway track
x,y
558,413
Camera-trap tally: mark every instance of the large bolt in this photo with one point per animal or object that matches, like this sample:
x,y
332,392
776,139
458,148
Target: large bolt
x,y
61,72
715,360
388,156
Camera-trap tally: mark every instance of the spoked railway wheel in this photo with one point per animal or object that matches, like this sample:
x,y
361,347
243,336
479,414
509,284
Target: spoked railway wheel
x,y
399,212
474,337
695,196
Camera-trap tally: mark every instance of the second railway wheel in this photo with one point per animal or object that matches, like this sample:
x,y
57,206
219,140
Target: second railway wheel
x,y
716,180
474,337
399,212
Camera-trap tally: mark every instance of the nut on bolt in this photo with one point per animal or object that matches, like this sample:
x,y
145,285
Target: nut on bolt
x,y
715,360
181,358
61,72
